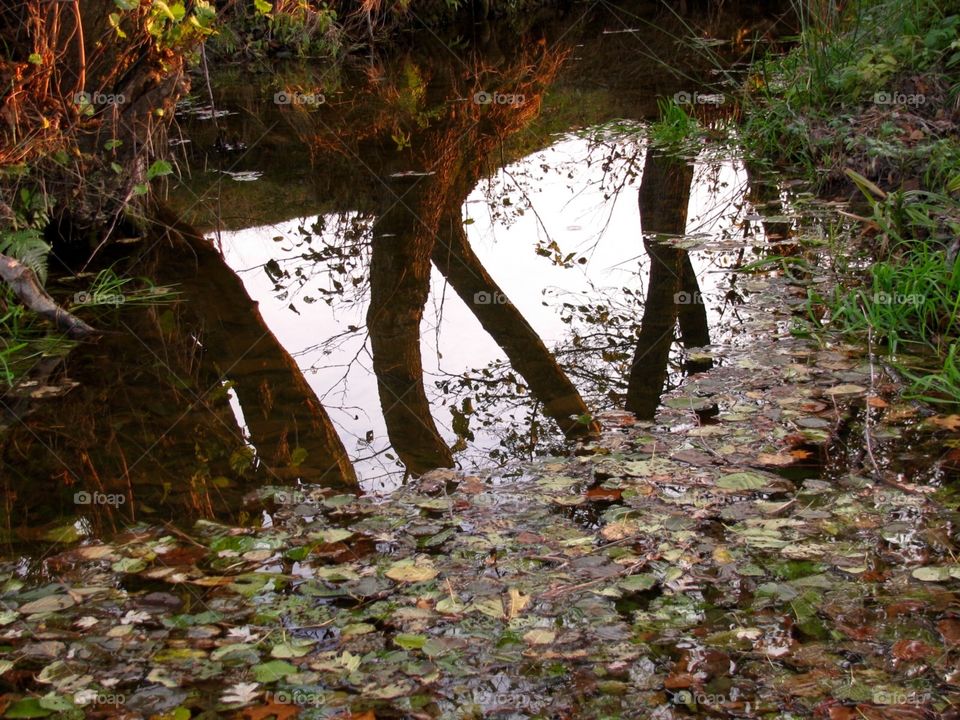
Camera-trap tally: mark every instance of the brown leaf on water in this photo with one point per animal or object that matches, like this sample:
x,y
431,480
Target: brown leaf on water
x,y
912,650
678,681
604,494
905,607
950,630
278,711
182,556
840,712
863,632
863,711
529,538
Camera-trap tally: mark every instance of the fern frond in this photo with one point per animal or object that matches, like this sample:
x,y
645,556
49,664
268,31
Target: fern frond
x,y
28,247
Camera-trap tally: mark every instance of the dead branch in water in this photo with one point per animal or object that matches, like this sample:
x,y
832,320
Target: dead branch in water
x,y
23,281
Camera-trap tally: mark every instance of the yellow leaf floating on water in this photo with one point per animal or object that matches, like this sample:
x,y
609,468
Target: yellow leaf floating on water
x,y
491,607
776,459
518,601
619,529
722,556
418,570
948,422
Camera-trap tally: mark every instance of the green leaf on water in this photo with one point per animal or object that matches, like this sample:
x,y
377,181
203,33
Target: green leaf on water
x,y
357,629
410,642
48,604
66,534
292,649
128,565
333,535
637,583
492,607
272,671
742,481
450,606
412,571
932,574
57,703
27,708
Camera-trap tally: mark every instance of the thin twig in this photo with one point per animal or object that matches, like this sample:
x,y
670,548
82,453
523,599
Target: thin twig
x,y
866,424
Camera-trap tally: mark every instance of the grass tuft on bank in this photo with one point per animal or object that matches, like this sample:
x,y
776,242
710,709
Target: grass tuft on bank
x,y
869,98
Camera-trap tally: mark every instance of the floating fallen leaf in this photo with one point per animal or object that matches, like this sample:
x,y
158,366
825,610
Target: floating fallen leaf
x,y
418,570
619,530
538,636
933,574
846,389
410,642
516,603
947,422
491,607
387,692
450,606
134,617
604,494
272,711
742,481
912,650
950,630
272,671
241,693
48,604
776,460
93,552
637,583
291,649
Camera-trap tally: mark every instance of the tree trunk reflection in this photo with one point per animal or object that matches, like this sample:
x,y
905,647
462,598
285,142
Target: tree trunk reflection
x,y
673,293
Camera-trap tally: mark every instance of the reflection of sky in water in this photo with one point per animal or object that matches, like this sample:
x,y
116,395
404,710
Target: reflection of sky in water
x,y
578,194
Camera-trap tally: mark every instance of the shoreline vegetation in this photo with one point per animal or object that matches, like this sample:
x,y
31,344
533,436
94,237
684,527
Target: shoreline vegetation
x,y
866,107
